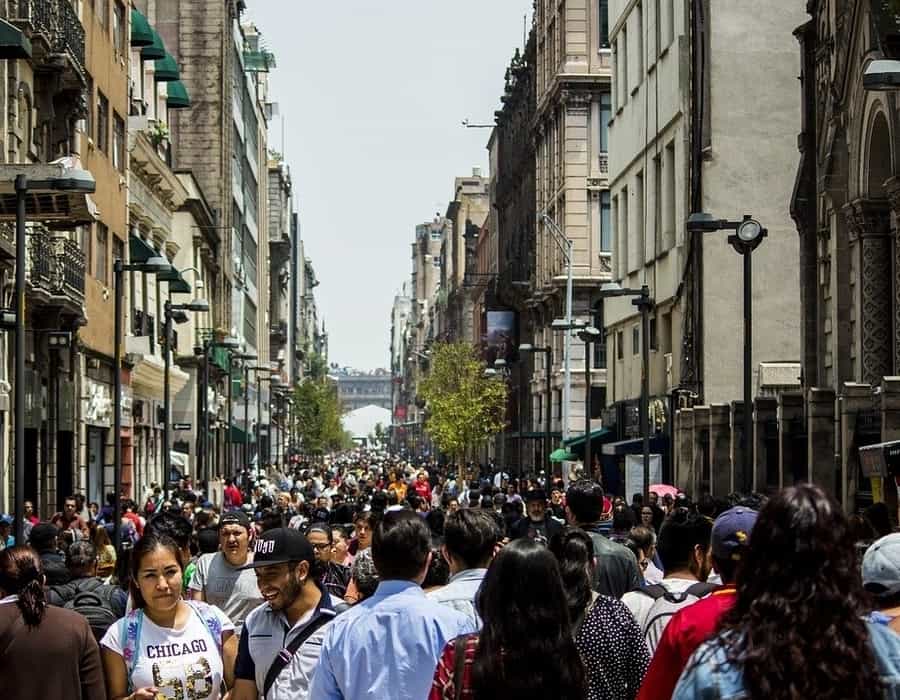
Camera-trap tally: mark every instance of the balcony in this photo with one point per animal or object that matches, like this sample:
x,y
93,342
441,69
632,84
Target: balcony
x,y
56,34
278,333
55,270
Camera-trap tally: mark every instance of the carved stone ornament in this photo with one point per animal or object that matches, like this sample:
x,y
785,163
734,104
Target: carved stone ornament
x,y
867,218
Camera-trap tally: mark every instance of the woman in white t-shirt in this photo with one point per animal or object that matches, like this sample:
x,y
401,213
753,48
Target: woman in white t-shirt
x,y
167,647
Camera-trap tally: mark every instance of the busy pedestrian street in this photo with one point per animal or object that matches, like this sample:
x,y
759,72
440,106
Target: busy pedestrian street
x,y
472,350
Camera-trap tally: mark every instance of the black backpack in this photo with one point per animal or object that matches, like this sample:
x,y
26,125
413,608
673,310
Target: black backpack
x,y
95,604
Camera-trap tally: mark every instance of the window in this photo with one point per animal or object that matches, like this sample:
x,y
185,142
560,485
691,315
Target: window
x,y
89,112
435,234
640,241
102,137
668,200
598,401
654,341
118,249
639,44
559,403
623,233
118,27
251,251
605,223
604,24
657,204
669,35
102,257
599,358
636,340
605,116
249,320
623,65
118,144
87,247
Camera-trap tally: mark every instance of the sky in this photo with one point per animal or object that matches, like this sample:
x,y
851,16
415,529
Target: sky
x,y
373,95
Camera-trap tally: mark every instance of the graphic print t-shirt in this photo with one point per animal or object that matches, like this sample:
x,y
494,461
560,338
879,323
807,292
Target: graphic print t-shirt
x,y
182,664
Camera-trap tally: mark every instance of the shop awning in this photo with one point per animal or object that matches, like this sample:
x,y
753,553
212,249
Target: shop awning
x,y
658,445
13,43
239,436
154,51
141,33
177,283
578,441
177,95
139,251
166,69
562,455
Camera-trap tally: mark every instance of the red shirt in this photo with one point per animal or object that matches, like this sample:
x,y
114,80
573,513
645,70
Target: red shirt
x,y
444,685
687,630
423,489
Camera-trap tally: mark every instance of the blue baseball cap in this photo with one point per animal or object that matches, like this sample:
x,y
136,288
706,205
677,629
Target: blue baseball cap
x,y
731,532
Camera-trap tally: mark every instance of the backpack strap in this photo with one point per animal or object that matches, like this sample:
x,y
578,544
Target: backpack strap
x,y
287,653
130,634
654,591
700,589
210,621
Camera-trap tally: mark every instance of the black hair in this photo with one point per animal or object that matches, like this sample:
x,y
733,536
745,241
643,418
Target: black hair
x,y
471,536
438,571
679,534
324,528
22,574
526,648
574,552
623,518
144,546
172,525
437,522
81,556
585,500
400,546
208,540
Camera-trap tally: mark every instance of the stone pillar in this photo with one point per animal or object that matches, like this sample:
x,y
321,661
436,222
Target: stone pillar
x,y
871,246
720,449
820,440
684,451
737,447
854,398
892,186
701,452
791,458
890,430
765,413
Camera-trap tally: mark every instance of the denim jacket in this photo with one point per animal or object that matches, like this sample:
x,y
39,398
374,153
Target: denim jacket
x,y
710,676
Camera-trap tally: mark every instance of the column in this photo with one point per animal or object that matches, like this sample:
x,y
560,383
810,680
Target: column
x,y
792,462
765,414
892,186
720,449
737,447
854,398
701,452
890,430
870,243
684,450
820,440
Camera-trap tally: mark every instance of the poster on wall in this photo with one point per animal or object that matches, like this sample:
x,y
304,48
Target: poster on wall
x,y
634,473
500,335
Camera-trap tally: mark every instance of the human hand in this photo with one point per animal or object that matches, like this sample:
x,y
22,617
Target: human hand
x,y
148,693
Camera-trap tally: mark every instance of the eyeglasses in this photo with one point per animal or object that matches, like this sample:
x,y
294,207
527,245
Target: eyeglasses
x,y
320,547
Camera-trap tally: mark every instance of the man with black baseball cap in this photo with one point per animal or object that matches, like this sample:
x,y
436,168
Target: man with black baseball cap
x,y
279,649
537,524
220,579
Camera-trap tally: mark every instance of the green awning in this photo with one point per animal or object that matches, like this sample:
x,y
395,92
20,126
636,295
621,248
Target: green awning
x,y
239,436
562,455
141,33
178,286
13,43
578,441
166,69
155,51
177,95
139,251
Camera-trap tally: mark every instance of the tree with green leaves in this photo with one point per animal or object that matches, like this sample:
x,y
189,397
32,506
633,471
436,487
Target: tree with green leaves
x,y
317,416
465,408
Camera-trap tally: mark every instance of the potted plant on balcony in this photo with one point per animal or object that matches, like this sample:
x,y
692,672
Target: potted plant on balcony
x,y
158,133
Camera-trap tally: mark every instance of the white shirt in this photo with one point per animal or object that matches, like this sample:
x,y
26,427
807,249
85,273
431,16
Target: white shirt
x,y
183,663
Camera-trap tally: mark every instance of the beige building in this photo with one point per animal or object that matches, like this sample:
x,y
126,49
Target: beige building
x,y
683,141
571,173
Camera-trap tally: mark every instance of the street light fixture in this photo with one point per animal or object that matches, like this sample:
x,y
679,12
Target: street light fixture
x,y
260,370
566,245
882,75
644,302
748,234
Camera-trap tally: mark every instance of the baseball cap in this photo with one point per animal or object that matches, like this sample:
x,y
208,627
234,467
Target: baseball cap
x,y
881,566
280,546
731,532
535,495
235,517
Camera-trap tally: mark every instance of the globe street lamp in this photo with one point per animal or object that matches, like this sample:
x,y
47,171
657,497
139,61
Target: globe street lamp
x,y
748,234
645,304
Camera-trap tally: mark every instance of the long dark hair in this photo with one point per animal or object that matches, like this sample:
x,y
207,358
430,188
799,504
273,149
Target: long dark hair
x,y
144,546
574,552
796,629
525,649
21,574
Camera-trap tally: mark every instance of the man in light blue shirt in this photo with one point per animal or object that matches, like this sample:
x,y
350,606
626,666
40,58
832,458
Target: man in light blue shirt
x,y
388,646
470,538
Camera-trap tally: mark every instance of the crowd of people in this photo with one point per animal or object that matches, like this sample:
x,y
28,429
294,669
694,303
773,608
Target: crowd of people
x,y
368,576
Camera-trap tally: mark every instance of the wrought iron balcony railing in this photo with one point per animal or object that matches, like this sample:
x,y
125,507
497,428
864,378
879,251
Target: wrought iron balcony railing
x,y
56,266
56,22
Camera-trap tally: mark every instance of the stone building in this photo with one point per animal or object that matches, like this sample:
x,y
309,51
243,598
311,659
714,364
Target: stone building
x,y
846,206
680,146
360,389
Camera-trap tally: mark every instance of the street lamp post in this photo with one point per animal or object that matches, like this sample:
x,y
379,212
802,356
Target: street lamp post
x,y
565,244
644,303
152,265
172,312
40,178
548,351
748,234
260,370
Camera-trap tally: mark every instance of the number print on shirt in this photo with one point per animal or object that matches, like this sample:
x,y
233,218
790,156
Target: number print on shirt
x,y
199,682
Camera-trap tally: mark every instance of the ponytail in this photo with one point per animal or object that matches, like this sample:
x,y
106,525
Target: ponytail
x,y
21,574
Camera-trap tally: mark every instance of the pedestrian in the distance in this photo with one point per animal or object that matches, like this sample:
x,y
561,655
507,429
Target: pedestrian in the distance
x,y
47,652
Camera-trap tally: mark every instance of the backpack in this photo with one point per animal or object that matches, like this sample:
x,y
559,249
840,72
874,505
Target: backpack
x,y
665,604
95,604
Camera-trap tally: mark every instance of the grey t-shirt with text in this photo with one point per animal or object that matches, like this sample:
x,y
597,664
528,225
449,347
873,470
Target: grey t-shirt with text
x,y
234,592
